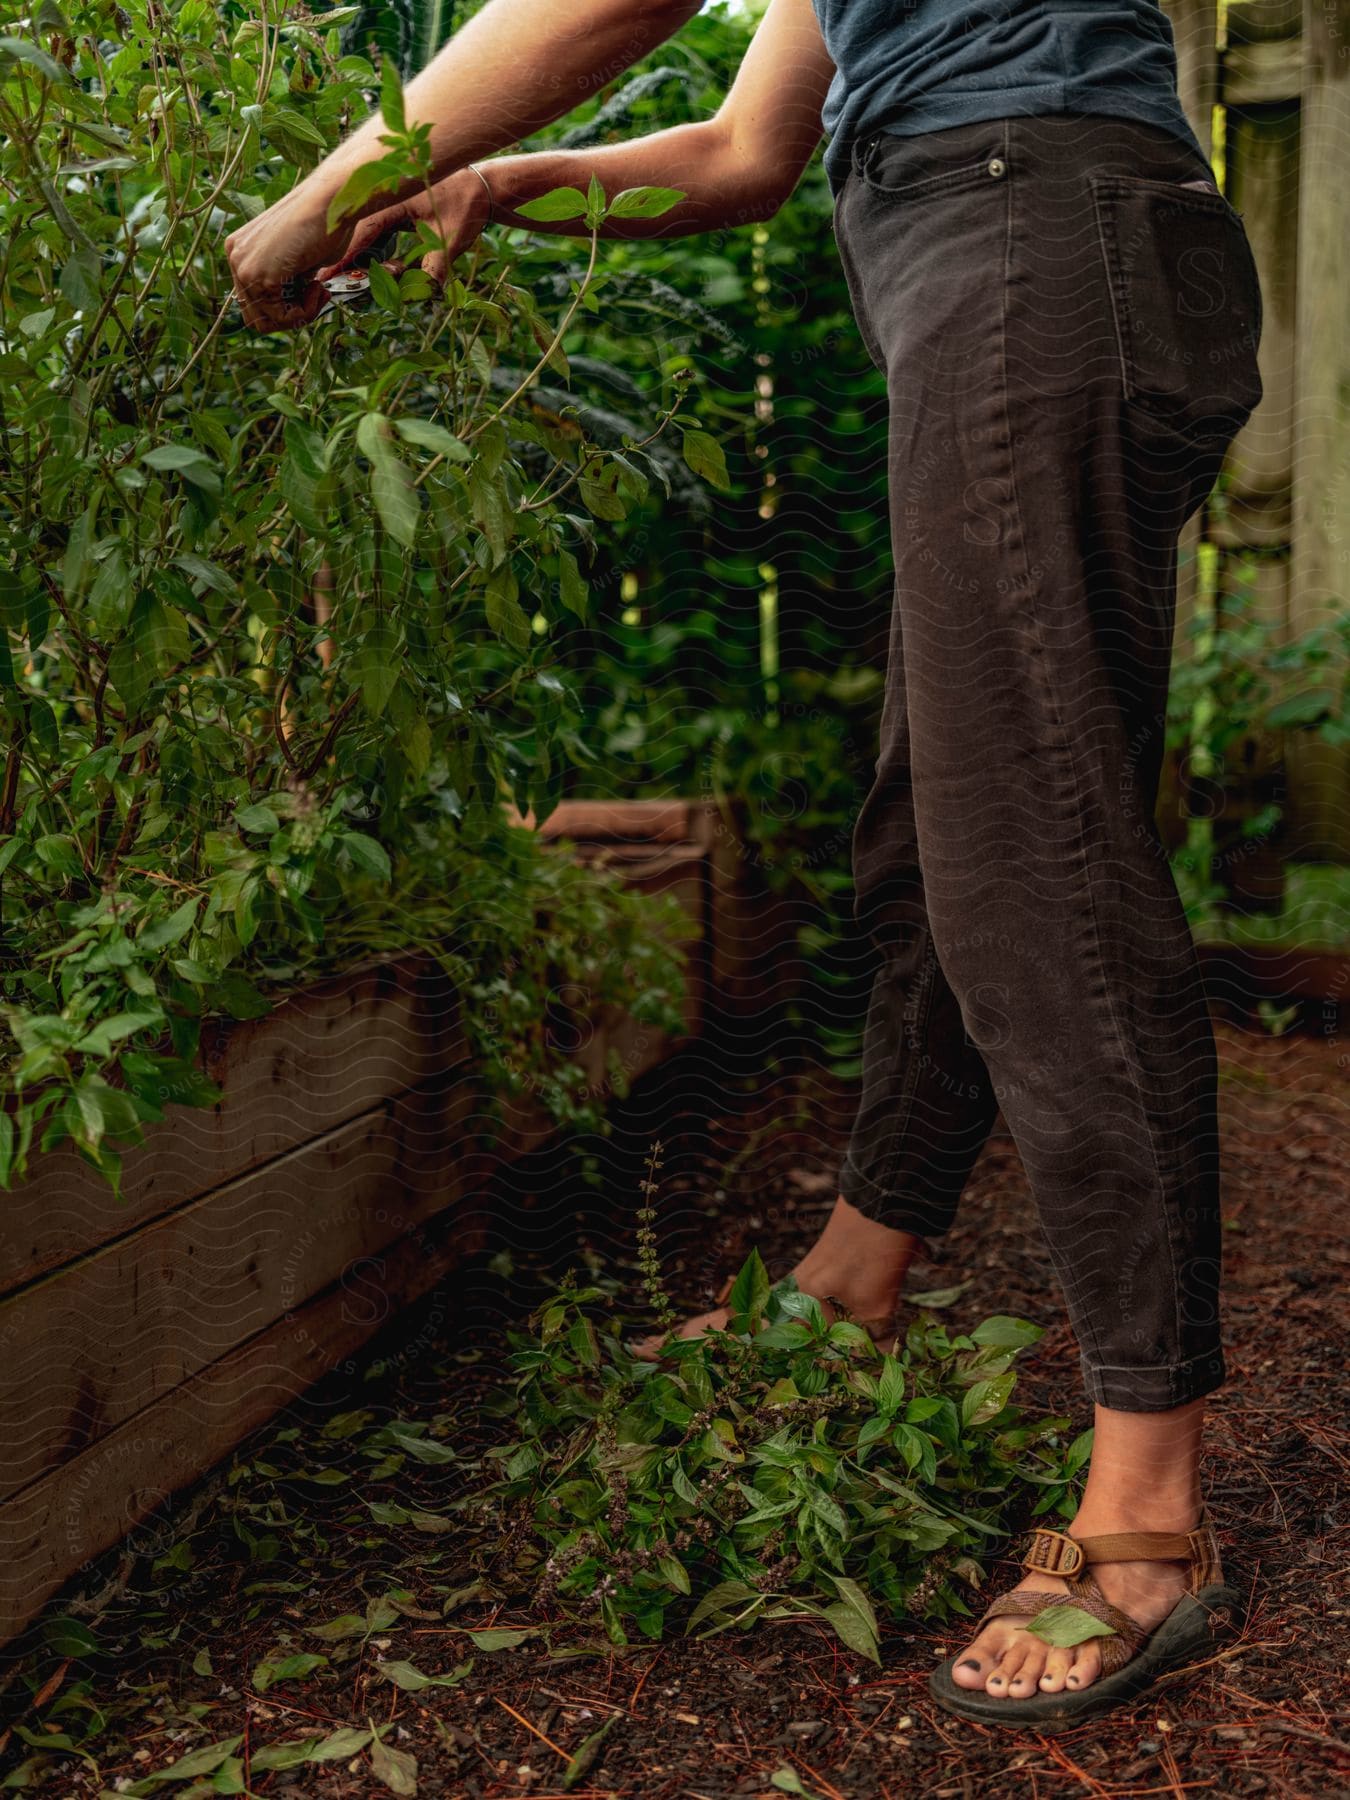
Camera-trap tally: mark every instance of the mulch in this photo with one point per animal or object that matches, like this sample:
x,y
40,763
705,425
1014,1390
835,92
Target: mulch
x,y
241,1571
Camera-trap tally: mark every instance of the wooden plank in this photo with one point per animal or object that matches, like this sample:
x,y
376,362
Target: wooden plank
x,y
52,1529
1195,28
324,1055
1319,823
88,1347
1259,21
1263,164
601,821
1269,73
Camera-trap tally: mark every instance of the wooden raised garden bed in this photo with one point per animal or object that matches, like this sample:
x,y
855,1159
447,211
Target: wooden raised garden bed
x,y
258,1243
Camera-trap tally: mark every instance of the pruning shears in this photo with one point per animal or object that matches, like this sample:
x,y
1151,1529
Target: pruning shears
x,y
350,288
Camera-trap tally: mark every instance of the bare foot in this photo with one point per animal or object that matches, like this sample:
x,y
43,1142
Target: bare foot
x,y
1144,1476
855,1261
1006,1660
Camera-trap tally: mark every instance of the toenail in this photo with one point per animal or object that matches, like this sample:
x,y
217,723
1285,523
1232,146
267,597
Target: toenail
x,y
970,1663
1074,1680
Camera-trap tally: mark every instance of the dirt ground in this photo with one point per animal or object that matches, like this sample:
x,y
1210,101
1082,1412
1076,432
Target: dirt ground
x,y
315,1520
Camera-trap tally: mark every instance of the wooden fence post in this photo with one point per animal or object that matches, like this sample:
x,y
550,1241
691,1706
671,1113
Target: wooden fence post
x,y
1195,25
1320,586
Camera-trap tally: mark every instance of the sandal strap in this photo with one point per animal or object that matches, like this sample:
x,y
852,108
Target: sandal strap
x,y
1050,1552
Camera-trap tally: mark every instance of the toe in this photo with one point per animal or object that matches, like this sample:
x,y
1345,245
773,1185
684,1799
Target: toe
x,y
971,1669
1086,1667
1028,1672
972,1666
1006,1670
1057,1665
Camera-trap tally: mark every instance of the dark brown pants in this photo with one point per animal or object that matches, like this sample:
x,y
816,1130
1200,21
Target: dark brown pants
x,y
1069,337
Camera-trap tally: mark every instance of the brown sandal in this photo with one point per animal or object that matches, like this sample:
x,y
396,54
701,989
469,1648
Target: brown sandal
x,y
1132,1658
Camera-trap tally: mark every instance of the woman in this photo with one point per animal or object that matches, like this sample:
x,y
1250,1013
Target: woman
x,y
1067,313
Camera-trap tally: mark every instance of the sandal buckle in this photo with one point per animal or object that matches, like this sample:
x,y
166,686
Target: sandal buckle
x,y
1053,1552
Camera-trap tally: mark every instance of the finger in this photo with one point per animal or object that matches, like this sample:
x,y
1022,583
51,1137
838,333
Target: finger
x,y
270,312
437,266
369,236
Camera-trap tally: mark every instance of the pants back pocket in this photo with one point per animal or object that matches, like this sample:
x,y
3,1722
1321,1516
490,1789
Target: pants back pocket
x,y
1187,302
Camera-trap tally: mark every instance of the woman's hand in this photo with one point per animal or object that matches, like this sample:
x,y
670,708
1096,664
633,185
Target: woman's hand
x,y
456,208
273,260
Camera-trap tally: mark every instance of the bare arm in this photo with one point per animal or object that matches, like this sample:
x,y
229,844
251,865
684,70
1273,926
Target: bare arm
x,y
518,65
737,166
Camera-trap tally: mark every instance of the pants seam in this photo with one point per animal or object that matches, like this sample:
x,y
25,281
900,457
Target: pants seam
x,y
1065,738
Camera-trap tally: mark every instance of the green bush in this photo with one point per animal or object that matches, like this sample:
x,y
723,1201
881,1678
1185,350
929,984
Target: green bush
x,y
281,614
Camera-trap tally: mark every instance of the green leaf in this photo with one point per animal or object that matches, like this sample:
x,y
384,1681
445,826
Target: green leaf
x,y
376,667
183,459
986,1399
79,279
890,1386
939,1297
384,290
340,1744
1064,1626
501,1637
365,181
750,1290
286,1668
675,1573
788,1781
854,1630
391,97
204,1761
111,1031
428,435
588,1753
346,1625
558,203
706,458
372,858
683,1487
644,202
505,614
853,1595
573,590
164,932
412,1681
20,50
395,498
1004,1333
726,1597
396,1769
256,818
70,1637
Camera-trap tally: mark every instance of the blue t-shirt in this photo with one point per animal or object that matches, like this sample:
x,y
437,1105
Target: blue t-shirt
x,y
921,65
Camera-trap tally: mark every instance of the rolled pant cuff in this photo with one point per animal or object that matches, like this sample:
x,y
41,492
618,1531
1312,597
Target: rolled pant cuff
x,y
901,1212
1157,1387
